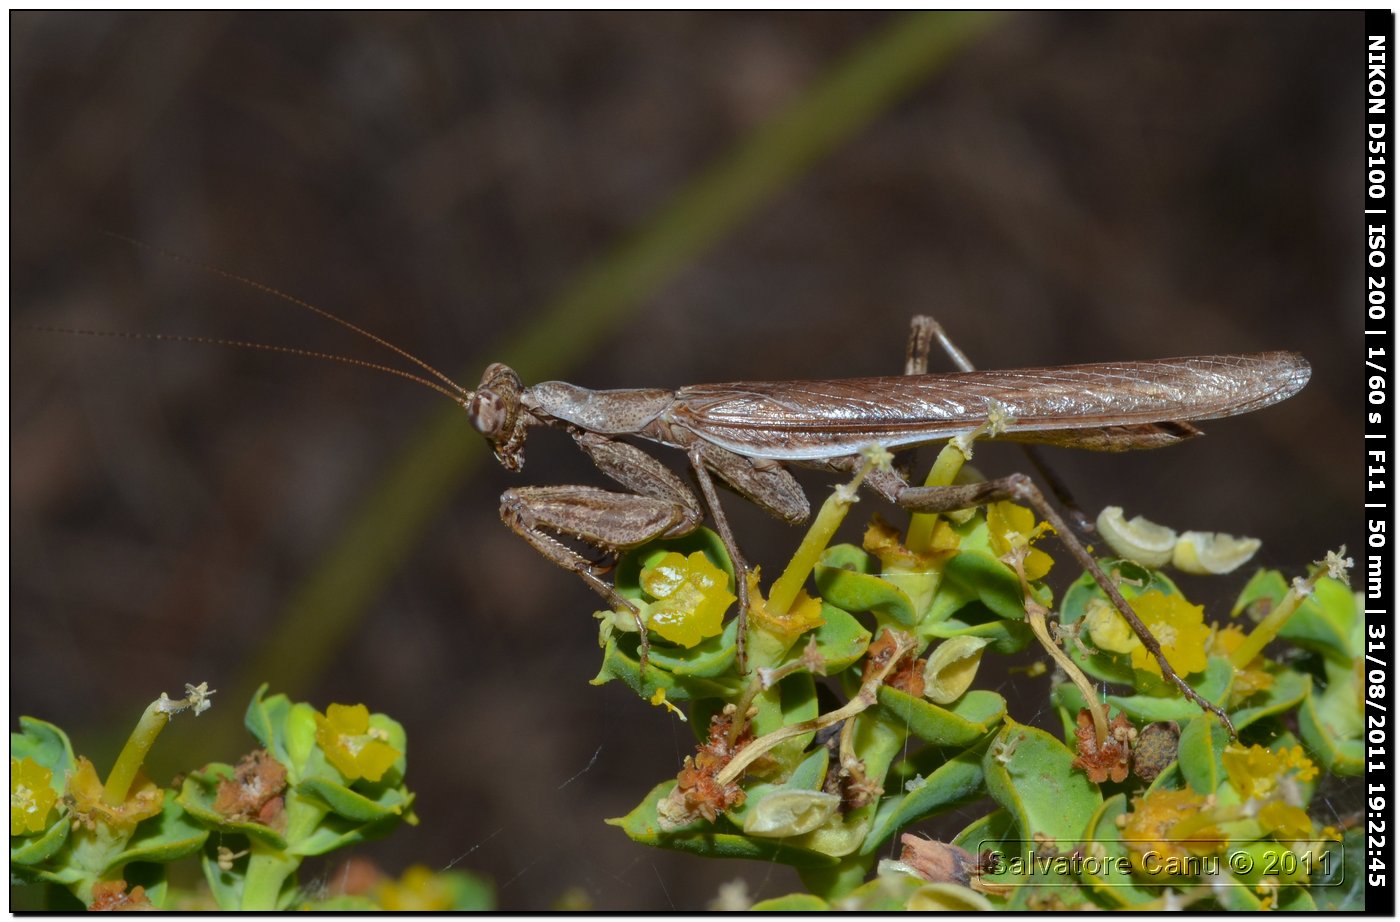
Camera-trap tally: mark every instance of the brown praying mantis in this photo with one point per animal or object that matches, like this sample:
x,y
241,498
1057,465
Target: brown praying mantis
x,y
745,434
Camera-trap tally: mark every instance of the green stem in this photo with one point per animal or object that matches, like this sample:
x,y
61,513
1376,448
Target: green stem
x,y
133,754
809,552
944,471
1268,629
834,882
819,535
268,870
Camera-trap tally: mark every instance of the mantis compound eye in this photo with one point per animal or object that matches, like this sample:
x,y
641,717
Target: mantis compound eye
x,y
494,411
488,414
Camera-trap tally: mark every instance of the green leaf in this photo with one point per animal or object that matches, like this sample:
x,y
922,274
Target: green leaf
x,y
967,721
1213,686
793,902
163,838
886,893
1085,593
26,850
1340,885
1203,739
712,841
955,782
981,576
266,719
711,657
336,832
808,776
1288,690
197,797
360,806
1338,756
996,832
305,754
856,591
225,886
792,701
1029,773
1002,636
47,745
1105,874
63,876
841,640
625,666
947,897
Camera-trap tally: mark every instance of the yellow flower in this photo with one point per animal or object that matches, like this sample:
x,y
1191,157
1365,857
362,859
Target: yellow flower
x,y
1179,628
355,748
1250,680
419,890
31,796
882,541
1011,527
658,698
1168,825
143,799
691,596
804,615
1257,772
1107,629
1285,821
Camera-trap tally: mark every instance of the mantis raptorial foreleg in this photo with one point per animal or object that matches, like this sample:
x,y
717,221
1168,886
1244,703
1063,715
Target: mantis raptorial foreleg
x,y
662,507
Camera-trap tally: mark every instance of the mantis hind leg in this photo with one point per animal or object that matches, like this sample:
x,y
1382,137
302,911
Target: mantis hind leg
x,y
923,332
1020,488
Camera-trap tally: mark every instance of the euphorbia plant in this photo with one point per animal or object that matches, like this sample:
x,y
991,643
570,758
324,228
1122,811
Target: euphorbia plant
x,y
317,782
895,634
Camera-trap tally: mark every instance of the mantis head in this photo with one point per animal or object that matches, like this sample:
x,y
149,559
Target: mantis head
x,y
495,411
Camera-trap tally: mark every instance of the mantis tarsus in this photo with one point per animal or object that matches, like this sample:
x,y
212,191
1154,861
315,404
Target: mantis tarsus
x,y
746,433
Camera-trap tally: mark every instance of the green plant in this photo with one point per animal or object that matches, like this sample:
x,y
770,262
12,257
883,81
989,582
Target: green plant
x,y
859,717
317,783
1144,802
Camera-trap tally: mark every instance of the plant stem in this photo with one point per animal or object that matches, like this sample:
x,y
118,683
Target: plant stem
x,y
268,870
133,754
945,470
1268,629
819,535
863,700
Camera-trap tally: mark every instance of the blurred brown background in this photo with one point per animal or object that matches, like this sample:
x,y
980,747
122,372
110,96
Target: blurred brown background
x,y
1067,188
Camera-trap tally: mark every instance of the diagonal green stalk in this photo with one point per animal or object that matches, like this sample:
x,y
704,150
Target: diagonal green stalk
x,y
945,470
384,530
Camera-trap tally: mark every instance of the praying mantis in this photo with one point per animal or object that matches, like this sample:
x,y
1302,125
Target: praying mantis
x,y
745,435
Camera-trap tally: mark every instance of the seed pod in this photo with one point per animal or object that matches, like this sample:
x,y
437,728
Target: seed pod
x,y
951,668
1206,552
1137,539
790,813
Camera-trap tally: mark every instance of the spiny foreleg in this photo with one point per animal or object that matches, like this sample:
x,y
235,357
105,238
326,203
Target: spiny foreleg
x,y
661,507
